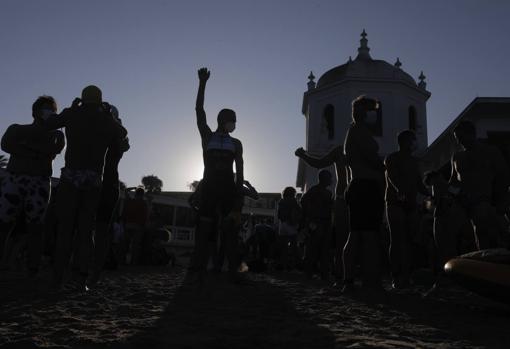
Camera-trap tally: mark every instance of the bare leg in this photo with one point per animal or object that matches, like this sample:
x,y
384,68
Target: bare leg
x,y
67,207
371,258
351,251
396,222
485,223
341,235
35,247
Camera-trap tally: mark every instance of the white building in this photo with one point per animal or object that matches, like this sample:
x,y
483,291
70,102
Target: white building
x,y
327,106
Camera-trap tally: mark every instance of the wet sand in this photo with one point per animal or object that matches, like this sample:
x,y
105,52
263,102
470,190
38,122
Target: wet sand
x,y
161,307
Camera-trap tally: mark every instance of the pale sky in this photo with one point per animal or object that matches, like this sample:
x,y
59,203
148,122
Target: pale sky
x,y
144,56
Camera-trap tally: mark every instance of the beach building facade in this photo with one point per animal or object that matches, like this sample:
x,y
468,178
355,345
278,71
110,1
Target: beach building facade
x,y
171,210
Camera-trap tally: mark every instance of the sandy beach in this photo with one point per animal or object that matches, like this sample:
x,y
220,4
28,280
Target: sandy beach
x,y
161,307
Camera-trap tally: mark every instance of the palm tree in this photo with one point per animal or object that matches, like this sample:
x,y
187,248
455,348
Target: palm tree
x,y
3,161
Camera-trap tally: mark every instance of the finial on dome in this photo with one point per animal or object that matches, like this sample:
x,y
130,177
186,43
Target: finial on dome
x,y
311,83
398,64
422,84
350,59
363,48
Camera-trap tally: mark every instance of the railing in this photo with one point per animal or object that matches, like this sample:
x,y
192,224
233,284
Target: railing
x,y
181,236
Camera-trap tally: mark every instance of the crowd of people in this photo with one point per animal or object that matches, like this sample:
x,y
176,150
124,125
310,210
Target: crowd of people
x,y
375,195
331,235
327,234
88,189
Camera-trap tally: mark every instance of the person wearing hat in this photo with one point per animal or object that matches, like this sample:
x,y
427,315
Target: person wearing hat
x,y
219,185
90,132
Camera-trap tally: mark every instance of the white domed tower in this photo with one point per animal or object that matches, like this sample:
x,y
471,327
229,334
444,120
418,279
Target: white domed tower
x,y
327,106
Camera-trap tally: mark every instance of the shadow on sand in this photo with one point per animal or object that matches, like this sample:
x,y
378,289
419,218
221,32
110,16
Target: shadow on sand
x,y
254,314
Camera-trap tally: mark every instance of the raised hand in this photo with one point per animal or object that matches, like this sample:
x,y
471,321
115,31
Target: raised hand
x,y
203,74
76,103
300,152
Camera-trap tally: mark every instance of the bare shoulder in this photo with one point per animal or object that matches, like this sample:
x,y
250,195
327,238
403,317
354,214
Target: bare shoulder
x,y
237,142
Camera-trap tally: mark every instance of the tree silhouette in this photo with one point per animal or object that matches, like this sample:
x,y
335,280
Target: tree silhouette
x,y
193,185
152,183
3,161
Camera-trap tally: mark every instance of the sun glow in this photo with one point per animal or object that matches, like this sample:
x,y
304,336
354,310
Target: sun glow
x,y
194,170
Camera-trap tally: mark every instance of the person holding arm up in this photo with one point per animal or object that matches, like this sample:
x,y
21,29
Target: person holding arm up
x,y
219,185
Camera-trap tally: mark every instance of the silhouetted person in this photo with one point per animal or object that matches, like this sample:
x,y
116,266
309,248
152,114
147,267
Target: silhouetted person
x,y
364,195
317,205
474,171
108,200
218,191
135,217
90,131
264,238
403,182
289,215
449,219
337,157
26,188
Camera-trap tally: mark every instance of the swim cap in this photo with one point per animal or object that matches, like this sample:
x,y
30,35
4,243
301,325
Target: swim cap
x,y
91,94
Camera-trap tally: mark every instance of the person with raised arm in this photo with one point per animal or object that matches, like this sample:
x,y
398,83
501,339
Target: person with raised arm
x,y
90,132
109,198
219,186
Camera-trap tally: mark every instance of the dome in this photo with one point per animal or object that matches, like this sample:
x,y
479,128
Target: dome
x,y
366,69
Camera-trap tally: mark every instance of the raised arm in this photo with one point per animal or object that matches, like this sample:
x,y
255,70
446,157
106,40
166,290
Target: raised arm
x,y
60,120
325,161
203,128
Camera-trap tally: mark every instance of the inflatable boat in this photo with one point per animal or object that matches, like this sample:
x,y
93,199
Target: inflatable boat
x,y
485,272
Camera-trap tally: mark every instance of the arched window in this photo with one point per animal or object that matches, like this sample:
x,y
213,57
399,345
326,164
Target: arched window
x,y
329,118
412,118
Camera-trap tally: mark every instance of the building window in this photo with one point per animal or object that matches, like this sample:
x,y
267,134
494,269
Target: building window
x,y
329,118
412,118
377,129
